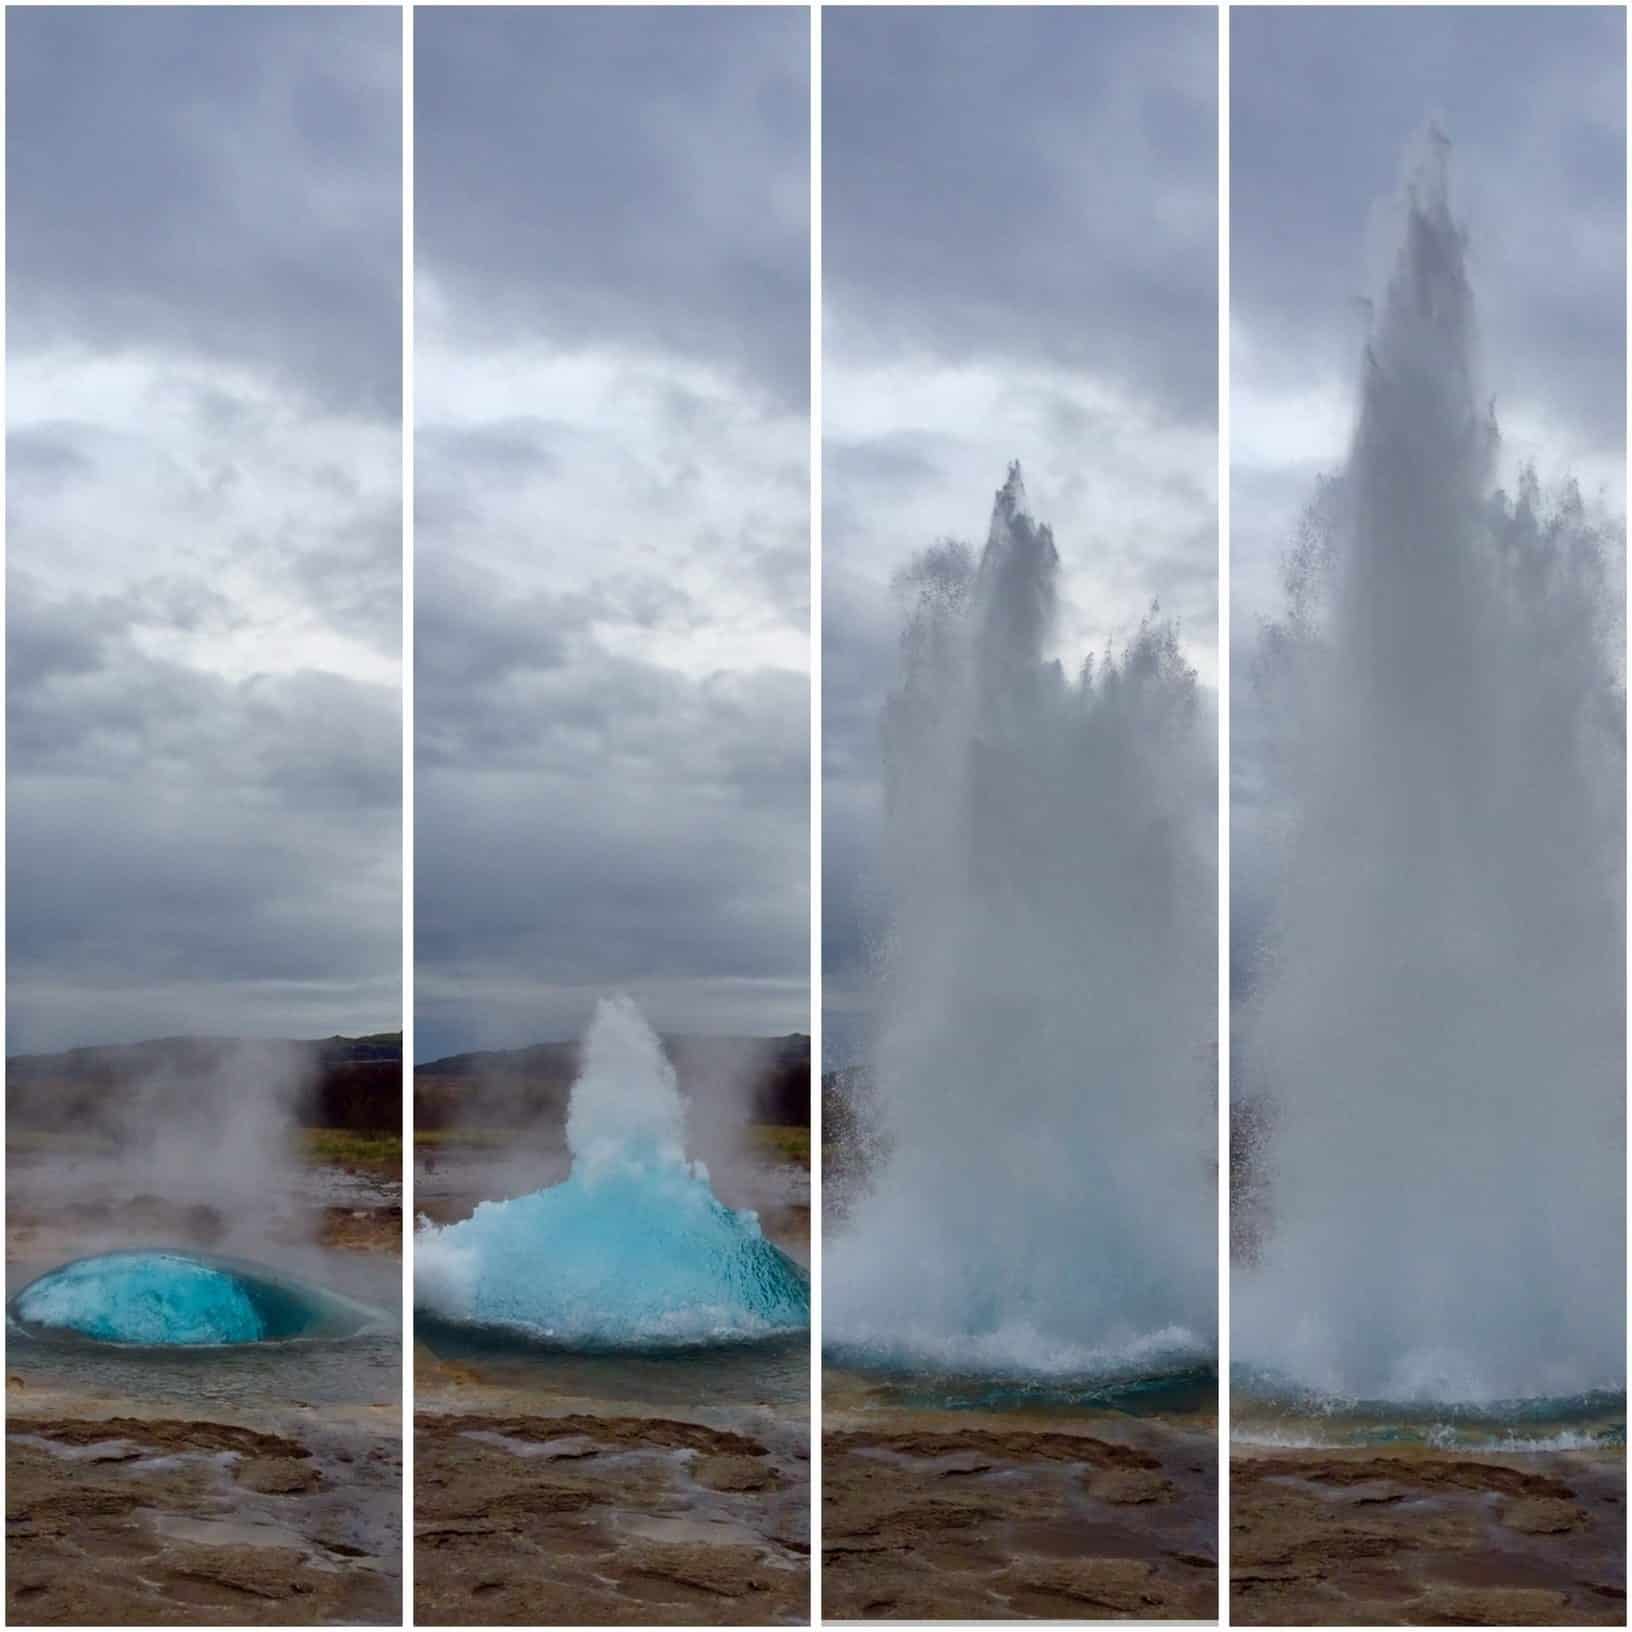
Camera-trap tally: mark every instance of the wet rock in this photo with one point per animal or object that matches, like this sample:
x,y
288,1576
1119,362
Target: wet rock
x,y
1085,1588
1494,1606
734,1473
996,1443
1543,1516
729,1572
1131,1487
278,1475
1304,1551
507,1537
905,1537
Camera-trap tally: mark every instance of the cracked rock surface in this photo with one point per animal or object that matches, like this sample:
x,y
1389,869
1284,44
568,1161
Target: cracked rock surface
x,y
1421,1537
936,1515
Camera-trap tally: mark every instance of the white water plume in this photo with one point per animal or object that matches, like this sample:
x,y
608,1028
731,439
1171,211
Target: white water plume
x,y
1040,1142
1439,1029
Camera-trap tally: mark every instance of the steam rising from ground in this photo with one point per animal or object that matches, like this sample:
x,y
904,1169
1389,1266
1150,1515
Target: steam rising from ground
x,y
1041,1132
1440,1032
633,1248
208,1124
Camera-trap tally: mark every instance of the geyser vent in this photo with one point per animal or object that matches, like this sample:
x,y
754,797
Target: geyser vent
x,y
159,1297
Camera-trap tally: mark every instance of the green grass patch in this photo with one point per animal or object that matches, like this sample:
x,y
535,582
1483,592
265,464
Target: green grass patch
x,y
56,1142
341,1147
782,1144
464,1138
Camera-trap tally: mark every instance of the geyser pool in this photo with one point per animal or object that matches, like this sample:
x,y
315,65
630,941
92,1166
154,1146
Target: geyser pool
x,y
1038,1143
1435,1034
633,1249
160,1297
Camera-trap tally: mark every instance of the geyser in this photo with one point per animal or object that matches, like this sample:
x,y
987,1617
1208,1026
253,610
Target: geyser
x,y
1436,1037
1039,1138
633,1248
158,1297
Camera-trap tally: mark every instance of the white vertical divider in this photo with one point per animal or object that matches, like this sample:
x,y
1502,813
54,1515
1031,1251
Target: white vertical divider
x,y
816,813
1224,814
407,813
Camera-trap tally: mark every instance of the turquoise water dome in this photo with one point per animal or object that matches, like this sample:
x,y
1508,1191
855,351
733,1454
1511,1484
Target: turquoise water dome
x,y
633,1249
635,1258
162,1297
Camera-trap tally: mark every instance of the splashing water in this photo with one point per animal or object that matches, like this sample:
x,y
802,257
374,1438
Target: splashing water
x,y
161,1298
1041,1133
1439,1029
633,1249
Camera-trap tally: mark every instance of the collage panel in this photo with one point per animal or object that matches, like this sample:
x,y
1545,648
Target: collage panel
x,y
204,805
1020,813
1038,714
612,837
1428,821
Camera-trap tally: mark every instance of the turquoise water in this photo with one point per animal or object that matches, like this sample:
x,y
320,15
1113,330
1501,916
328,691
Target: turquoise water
x,y
1181,1391
768,1371
158,1297
1267,1407
635,1256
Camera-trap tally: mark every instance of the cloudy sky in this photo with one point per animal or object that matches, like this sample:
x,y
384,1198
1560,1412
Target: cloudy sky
x,y
1322,108
612,520
203,501
1020,243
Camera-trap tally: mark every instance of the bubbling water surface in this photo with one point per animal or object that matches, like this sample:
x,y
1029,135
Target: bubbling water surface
x,y
633,1249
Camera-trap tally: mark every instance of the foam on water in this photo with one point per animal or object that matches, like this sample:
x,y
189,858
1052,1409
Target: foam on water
x,y
1039,1138
162,1298
633,1248
1436,1040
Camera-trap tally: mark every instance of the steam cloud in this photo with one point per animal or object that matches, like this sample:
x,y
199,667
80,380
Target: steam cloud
x,y
1439,1031
1041,1133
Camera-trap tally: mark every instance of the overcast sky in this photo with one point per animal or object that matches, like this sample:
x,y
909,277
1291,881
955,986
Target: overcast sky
x,y
1020,248
612,546
203,500
1323,105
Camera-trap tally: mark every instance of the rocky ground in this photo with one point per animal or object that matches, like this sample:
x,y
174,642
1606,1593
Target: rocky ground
x,y
1413,1536
132,1511
606,1516
960,1515
136,1520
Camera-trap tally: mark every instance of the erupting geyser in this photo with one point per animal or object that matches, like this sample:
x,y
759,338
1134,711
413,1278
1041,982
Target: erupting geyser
x,y
633,1249
1438,1031
1039,1139
160,1298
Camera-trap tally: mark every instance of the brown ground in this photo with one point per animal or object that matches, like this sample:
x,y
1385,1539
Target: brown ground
x,y
81,1227
603,1515
972,1516
129,1520
119,1513
1421,1537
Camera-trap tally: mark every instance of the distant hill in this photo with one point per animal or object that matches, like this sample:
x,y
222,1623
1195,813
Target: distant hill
x,y
343,1082
356,1082
518,1087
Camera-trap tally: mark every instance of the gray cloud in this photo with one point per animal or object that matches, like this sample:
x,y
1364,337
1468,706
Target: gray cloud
x,y
612,778
204,528
211,180
1323,106
1020,231
617,177
1027,183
